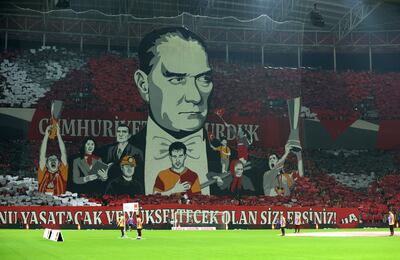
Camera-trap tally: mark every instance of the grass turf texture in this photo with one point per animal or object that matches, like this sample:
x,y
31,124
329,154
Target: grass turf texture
x,y
220,244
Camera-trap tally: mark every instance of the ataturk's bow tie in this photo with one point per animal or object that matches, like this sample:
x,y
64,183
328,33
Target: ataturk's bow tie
x,y
163,143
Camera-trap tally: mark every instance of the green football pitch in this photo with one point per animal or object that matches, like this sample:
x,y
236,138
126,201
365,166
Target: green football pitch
x,y
220,244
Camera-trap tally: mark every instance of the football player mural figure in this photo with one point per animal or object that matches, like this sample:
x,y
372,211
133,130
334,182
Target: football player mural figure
x,y
174,79
225,152
177,178
278,182
53,172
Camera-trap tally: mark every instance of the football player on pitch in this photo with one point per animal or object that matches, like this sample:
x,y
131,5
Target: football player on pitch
x,y
121,225
139,226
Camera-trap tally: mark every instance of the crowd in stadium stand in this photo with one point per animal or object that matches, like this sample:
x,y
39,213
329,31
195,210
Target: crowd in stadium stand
x,y
92,79
18,191
16,157
364,179
27,75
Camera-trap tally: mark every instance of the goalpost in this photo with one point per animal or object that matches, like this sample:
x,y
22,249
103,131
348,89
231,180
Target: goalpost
x,y
129,209
198,220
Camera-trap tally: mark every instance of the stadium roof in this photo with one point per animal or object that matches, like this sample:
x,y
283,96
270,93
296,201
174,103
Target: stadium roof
x,y
251,18
280,10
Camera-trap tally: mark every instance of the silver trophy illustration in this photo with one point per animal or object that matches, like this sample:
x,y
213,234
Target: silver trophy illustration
x,y
56,108
294,116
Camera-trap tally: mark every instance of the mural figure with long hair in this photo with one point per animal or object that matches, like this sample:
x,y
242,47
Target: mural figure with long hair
x,y
89,173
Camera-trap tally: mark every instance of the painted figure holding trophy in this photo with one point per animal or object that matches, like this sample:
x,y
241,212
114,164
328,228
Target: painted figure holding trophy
x,y
53,172
277,181
294,106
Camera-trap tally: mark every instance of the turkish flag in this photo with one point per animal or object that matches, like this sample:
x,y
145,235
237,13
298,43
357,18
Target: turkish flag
x,y
220,112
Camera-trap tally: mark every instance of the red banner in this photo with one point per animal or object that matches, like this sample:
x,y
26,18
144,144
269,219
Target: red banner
x,y
74,125
388,135
161,214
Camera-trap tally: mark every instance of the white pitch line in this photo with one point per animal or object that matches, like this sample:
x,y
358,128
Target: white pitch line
x,y
343,234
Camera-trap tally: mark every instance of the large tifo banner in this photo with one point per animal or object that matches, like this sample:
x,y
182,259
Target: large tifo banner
x,y
193,129
203,150
163,214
